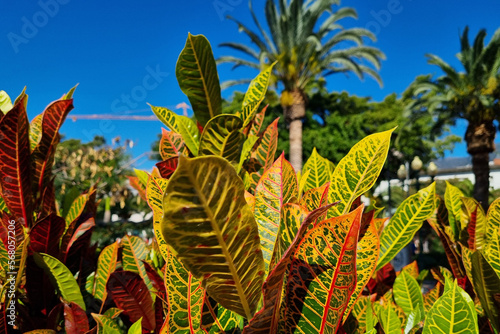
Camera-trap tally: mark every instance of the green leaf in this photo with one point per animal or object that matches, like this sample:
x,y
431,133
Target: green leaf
x,y
407,294
196,73
492,252
255,94
413,319
451,314
319,171
453,203
357,172
211,227
361,320
136,327
76,209
106,264
487,287
276,187
474,222
431,296
389,320
181,125
61,278
493,219
105,324
246,150
405,223
5,102
222,137
35,131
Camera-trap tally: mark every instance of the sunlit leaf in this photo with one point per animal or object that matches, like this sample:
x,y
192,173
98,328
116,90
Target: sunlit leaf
x,y
180,124
319,171
453,203
256,123
171,144
155,193
35,131
185,298
222,137
405,223
367,255
357,172
5,102
136,327
106,324
451,314
167,167
323,271
361,319
76,208
255,94
196,73
475,223
15,163
209,224
266,149
276,187
134,251
61,278
247,149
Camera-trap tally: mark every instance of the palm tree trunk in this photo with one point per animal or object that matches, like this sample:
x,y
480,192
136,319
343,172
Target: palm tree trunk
x,y
294,115
480,140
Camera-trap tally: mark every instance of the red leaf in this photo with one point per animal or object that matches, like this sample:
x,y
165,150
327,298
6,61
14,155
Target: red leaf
x,y
156,280
471,230
75,319
48,200
266,320
43,154
134,183
200,127
6,226
15,163
45,235
130,294
168,167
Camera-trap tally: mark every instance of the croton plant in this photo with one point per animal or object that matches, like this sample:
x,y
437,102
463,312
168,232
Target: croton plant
x,y
243,242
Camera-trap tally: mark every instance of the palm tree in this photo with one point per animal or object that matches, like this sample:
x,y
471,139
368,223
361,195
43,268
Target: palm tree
x,y
472,95
307,41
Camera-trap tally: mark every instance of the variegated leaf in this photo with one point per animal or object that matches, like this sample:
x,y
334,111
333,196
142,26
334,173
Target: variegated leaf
x,y
319,171
367,256
257,88
322,276
412,269
276,187
181,125
196,73
256,123
171,144
493,219
134,251
35,131
246,150
389,320
357,172
217,319
209,224
266,148
185,296
432,296
292,217
106,264
76,208
439,222
222,137
474,222
362,319
407,293
405,223
453,203
315,198
156,191
451,314
487,287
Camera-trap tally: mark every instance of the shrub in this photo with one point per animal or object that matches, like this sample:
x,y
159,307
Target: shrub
x,y
243,243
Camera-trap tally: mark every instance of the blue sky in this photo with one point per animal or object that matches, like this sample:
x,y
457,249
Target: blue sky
x,y
123,53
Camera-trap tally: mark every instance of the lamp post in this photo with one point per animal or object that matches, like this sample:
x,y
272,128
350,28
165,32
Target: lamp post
x,y
416,165
432,170
402,174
